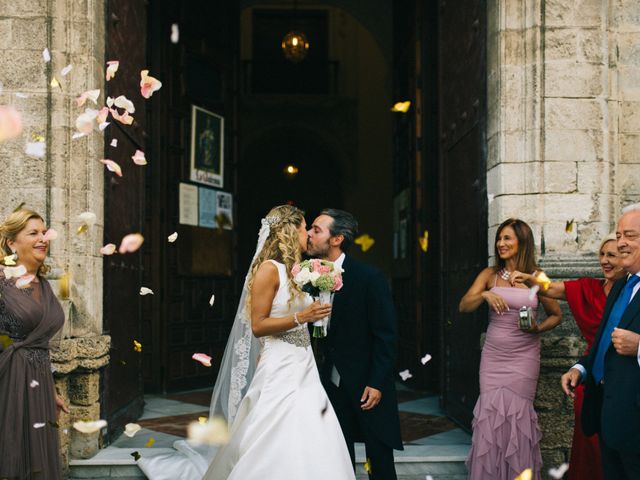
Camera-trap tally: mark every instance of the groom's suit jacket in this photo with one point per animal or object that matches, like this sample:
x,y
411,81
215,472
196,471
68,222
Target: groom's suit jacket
x,y
361,344
613,408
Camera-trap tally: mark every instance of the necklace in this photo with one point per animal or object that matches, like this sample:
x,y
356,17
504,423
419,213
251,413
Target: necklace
x,y
504,274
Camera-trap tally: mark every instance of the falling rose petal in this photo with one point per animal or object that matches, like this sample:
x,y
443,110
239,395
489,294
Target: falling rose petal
x,y
212,300
175,33
424,241
559,472
367,466
46,55
109,102
36,149
15,272
533,291
428,477
90,427
103,125
202,358
34,383
88,95
138,158
365,242
490,197
38,425
148,84
112,68
51,234
64,286
405,375
10,123
55,83
22,95
173,237
77,135
569,226
114,143
136,456
131,243
102,115
84,121
125,118
88,218
402,107
137,346
130,429
108,249
112,166
36,137
65,71
211,432
526,475
145,291
124,103
425,359
24,282
150,443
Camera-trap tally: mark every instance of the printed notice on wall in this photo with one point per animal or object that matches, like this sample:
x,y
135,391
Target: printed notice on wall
x,y
207,207
224,210
188,204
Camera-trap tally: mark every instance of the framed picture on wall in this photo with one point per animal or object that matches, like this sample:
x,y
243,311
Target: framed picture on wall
x,y
207,147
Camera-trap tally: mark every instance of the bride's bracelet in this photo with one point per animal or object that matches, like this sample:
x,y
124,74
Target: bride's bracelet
x,y
295,319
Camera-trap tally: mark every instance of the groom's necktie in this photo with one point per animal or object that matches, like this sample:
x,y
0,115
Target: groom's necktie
x,y
614,319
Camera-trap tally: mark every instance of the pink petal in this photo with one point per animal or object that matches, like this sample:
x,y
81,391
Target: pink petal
x,y
124,103
112,68
148,84
138,158
10,123
108,249
125,119
112,167
89,94
84,122
51,234
204,359
102,115
23,282
130,243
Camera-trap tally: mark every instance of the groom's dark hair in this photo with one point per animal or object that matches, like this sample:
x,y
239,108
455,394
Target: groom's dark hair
x,y
343,224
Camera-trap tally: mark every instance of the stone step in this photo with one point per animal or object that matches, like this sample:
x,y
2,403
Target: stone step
x,y
411,464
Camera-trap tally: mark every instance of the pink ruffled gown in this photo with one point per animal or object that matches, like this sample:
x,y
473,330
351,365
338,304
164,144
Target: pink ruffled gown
x,y
506,436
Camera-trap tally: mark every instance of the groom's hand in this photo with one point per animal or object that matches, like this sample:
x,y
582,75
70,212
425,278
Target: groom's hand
x,y
370,398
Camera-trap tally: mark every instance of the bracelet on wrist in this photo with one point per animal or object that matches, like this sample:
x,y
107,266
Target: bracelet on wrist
x,y
295,319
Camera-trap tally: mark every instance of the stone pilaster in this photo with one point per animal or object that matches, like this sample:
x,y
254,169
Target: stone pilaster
x,y
67,181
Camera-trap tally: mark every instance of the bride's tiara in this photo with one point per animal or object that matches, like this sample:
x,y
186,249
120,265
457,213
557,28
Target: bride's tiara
x,y
271,220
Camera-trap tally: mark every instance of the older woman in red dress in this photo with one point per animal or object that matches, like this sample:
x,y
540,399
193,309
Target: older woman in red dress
x,y
586,298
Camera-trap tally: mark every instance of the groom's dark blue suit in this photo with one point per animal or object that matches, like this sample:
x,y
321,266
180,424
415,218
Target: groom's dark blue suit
x,y
611,407
361,344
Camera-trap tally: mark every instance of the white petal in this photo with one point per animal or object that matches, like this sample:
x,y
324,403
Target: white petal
x,y
175,33
78,135
103,125
36,149
90,427
145,291
87,217
559,472
46,55
405,375
114,142
130,429
425,359
34,383
66,70
212,300
533,291
38,425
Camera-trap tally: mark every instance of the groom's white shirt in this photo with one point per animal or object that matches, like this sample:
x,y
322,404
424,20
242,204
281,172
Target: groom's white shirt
x,y
335,376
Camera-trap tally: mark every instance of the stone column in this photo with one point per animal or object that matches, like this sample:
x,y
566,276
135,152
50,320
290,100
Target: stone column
x,y
68,180
563,140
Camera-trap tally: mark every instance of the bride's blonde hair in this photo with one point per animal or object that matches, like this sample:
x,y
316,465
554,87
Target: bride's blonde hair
x,y
282,245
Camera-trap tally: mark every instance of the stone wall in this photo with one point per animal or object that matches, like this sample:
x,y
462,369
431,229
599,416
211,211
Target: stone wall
x,y
67,181
563,146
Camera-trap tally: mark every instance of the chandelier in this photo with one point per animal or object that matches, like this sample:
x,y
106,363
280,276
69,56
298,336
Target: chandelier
x,y
295,46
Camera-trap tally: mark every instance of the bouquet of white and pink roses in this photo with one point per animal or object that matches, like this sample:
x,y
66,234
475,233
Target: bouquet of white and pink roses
x,y
318,278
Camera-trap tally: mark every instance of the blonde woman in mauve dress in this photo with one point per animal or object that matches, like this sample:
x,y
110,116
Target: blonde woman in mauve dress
x,y
506,436
30,315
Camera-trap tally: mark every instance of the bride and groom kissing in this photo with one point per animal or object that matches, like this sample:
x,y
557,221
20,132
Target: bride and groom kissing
x,y
289,418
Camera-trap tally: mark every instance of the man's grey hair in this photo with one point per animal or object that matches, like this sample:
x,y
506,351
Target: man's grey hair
x,y
634,207
343,224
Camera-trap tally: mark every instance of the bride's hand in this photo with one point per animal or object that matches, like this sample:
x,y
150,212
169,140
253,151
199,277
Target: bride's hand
x,y
315,311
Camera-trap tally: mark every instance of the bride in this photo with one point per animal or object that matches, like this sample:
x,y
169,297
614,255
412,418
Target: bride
x,y
284,426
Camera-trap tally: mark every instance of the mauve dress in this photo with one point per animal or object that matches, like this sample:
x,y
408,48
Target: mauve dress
x,y
506,436
30,317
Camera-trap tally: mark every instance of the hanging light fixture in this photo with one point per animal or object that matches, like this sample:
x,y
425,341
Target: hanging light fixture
x,y
295,44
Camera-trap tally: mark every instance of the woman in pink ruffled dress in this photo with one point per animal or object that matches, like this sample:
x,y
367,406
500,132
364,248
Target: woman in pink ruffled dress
x,y
506,436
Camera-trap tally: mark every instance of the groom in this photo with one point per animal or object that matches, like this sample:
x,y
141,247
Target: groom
x,y
359,352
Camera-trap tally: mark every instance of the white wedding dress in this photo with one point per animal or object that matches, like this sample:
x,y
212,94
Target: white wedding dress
x,y
285,427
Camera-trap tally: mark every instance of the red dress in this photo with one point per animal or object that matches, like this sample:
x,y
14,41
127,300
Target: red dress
x,y
586,299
